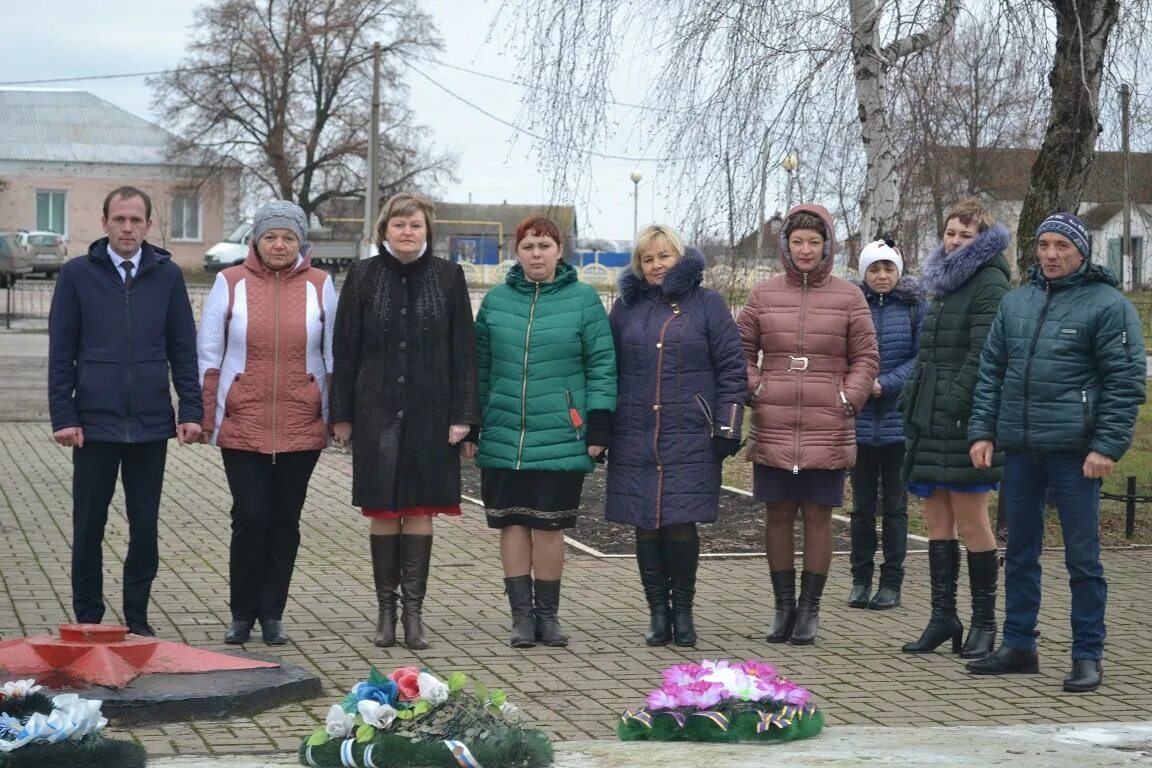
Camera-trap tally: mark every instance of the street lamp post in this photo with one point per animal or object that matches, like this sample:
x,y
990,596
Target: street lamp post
x,y
790,164
635,176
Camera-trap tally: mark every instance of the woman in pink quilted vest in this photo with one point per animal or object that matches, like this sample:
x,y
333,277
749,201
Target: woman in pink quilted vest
x,y
811,351
265,350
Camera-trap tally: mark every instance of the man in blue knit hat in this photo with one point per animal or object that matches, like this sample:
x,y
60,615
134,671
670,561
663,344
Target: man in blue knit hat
x,y
1062,377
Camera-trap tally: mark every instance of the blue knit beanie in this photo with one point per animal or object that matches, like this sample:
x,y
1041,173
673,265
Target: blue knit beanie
x,y
1072,228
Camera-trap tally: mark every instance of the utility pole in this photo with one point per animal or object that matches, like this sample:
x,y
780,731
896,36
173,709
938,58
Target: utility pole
x,y
1126,157
372,180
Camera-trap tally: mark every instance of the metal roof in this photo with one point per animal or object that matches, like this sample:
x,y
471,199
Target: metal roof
x,y
77,127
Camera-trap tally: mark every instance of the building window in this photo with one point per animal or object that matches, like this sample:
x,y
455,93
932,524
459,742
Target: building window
x,y
185,217
50,212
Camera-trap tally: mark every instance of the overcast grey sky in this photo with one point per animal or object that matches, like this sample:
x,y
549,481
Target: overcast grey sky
x,y
75,38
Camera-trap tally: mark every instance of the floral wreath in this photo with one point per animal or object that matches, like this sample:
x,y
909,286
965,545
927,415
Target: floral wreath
x,y
38,732
723,701
412,717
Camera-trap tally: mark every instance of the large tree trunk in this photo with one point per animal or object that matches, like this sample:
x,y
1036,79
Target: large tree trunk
x,y
880,207
1062,165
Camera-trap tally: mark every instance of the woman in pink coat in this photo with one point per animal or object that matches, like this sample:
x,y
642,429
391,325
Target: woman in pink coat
x,y
812,359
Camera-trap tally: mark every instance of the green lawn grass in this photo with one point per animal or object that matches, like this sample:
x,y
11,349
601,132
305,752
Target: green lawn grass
x,y
1137,462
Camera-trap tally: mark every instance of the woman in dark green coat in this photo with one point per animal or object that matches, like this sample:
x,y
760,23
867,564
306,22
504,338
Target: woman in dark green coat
x,y
547,373
965,278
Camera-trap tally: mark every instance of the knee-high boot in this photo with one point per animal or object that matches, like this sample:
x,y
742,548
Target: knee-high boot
x,y
519,589
682,558
386,574
784,588
808,608
982,573
654,579
416,554
943,566
546,595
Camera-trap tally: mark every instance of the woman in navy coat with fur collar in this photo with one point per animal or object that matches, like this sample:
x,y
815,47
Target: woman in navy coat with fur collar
x,y
680,402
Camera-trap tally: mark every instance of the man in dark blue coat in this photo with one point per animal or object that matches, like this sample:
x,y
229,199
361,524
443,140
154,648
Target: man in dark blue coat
x,y
120,321
1062,377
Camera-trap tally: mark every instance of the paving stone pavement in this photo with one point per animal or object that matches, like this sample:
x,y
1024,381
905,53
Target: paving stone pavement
x,y
855,670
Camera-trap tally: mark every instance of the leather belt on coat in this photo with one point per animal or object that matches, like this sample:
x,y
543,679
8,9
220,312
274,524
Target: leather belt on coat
x,y
803,364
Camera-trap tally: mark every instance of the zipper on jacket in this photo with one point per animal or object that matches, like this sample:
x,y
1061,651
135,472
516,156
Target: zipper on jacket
x,y
799,379
657,407
1031,355
524,378
877,414
1084,407
275,357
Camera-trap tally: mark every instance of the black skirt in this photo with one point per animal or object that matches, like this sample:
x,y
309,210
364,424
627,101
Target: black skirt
x,y
545,500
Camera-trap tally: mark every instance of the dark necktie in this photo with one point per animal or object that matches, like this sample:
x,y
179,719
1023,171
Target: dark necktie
x,y
127,267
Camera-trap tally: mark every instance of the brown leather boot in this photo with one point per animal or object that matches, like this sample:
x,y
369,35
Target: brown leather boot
x,y
415,555
386,573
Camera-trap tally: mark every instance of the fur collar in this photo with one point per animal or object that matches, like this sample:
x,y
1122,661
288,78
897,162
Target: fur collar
x,y
685,275
943,274
907,290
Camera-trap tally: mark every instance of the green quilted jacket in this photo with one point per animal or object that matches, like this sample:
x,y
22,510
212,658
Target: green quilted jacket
x,y
966,288
1063,368
545,358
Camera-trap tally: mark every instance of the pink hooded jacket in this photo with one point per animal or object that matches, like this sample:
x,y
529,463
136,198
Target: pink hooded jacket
x,y
812,358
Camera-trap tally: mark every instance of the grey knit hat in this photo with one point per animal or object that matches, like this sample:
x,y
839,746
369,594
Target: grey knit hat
x,y
280,214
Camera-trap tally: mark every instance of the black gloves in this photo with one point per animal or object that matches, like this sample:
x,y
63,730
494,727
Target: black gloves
x,y
724,447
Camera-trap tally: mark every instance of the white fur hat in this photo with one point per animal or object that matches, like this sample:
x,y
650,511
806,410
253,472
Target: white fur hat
x,y
880,251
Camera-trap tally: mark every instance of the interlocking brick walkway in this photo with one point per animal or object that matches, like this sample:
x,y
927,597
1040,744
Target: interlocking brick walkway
x,y
856,670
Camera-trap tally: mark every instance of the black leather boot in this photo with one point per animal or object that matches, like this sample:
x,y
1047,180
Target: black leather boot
x,y
650,561
1086,675
548,630
1006,661
860,595
982,571
784,588
943,566
519,589
682,558
415,556
386,574
808,608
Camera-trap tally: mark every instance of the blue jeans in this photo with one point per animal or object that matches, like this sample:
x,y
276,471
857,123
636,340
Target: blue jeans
x,y
1028,478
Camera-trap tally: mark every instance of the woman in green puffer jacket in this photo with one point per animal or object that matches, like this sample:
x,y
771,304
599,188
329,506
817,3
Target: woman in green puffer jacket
x,y
965,278
547,375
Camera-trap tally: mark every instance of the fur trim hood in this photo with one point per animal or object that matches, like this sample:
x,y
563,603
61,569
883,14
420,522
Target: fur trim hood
x,y
685,275
944,273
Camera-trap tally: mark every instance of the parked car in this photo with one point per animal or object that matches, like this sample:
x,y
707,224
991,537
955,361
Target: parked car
x,y
14,263
46,250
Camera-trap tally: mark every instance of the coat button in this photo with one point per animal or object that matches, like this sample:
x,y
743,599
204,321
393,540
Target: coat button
x,y
403,310
400,380
403,345
399,414
659,345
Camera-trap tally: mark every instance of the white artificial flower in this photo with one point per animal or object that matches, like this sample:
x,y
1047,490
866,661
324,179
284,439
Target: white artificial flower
x,y
18,689
510,711
432,689
339,724
376,714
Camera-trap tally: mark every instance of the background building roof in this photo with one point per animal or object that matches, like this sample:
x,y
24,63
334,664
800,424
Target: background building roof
x,y
77,127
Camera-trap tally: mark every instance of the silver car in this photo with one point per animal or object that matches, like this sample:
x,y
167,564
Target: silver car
x,y
14,263
46,251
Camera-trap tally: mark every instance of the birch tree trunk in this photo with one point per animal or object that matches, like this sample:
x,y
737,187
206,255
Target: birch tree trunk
x,y
880,206
1061,167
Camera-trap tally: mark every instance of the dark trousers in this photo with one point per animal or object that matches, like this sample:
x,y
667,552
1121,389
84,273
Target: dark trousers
x,y
877,474
94,471
1028,480
267,496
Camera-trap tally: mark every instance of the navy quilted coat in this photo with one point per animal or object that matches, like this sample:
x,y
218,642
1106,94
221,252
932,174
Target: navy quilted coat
x,y
677,347
898,317
1063,368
